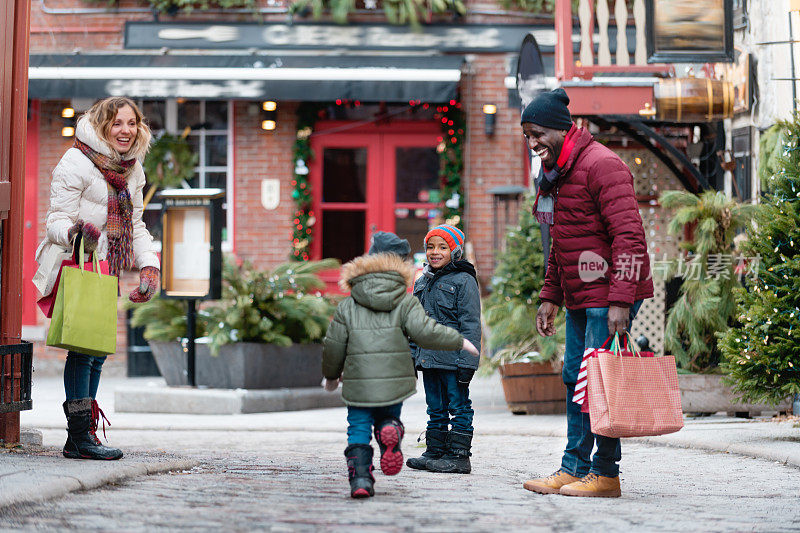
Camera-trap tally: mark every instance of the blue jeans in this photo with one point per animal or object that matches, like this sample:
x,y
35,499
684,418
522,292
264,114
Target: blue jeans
x,y
445,396
360,421
587,328
82,375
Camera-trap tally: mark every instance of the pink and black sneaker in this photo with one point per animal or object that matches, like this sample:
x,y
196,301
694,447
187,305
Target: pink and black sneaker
x,y
389,433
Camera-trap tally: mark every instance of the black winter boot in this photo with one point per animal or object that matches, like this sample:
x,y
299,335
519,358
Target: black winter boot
x,y
388,434
456,460
81,442
436,442
359,470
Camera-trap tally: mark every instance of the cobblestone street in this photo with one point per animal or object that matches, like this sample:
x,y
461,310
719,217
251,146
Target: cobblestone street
x,y
296,481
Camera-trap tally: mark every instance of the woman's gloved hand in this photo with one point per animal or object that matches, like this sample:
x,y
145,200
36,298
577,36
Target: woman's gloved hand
x,y
75,229
85,231
148,284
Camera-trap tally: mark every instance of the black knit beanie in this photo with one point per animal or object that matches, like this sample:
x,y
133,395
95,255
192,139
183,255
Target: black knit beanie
x,y
549,110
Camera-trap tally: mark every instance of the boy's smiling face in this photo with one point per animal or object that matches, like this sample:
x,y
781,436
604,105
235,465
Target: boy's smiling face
x,y
437,251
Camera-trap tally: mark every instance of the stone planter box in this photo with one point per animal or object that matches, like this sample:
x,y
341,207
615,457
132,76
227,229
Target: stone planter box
x,y
242,365
706,393
534,388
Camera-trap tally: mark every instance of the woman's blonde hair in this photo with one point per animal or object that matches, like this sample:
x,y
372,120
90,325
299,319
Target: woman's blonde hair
x,y
102,115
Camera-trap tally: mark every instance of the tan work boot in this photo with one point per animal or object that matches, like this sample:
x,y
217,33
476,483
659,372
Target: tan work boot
x,y
550,484
593,486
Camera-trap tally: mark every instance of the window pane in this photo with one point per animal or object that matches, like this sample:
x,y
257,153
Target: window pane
x,y
344,175
417,174
217,115
195,181
216,180
154,114
194,143
189,114
152,219
414,224
216,150
343,234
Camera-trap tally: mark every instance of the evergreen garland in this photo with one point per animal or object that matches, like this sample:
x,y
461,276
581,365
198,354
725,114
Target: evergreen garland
x,y
453,125
172,7
411,12
302,234
762,353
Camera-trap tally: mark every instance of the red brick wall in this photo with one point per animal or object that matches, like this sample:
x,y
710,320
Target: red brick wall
x,y
261,236
489,161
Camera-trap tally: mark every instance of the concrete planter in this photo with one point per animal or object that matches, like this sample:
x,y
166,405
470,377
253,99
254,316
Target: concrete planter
x,y
706,393
534,388
243,365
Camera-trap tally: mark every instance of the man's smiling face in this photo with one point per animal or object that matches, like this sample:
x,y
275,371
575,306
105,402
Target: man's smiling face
x,y
544,142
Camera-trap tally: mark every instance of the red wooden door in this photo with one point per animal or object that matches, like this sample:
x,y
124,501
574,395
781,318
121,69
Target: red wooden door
x,y
373,178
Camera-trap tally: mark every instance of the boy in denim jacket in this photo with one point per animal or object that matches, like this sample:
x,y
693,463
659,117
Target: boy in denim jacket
x,y
448,290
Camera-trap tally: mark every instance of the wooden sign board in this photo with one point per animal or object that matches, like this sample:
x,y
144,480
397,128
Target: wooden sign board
x,y
187,247
191,253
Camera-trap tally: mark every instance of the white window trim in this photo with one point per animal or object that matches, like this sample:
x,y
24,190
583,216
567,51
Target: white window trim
x,y
171,126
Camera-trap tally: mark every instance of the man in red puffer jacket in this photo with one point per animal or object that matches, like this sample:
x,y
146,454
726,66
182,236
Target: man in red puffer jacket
x,y
598,268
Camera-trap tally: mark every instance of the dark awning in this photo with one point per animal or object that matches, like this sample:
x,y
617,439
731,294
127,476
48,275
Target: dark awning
x,y
292,77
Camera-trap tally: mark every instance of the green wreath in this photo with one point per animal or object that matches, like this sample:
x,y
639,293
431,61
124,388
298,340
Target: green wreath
x,y
169,162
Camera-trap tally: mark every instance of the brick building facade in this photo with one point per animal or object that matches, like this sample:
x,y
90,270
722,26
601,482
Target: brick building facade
x,y
254,233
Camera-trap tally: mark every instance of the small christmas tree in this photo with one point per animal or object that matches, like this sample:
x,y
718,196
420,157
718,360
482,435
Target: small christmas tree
x,y
762,352
510,310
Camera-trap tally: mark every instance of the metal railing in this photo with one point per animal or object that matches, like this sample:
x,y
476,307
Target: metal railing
x,y
16,373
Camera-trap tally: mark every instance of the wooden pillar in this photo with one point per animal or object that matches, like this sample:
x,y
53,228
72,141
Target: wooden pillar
x,y
14,44
564,54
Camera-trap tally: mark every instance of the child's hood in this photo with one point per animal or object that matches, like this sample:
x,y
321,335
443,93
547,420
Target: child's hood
x,y
377,281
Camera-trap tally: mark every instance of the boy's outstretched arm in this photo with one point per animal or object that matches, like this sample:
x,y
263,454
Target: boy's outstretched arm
x,y
334,347
469,325
425,331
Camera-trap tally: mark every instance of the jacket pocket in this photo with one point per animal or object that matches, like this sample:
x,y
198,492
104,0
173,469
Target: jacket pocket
x,y
446,296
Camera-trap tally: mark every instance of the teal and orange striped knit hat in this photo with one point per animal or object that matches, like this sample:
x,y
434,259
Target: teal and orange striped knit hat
x,y
453,236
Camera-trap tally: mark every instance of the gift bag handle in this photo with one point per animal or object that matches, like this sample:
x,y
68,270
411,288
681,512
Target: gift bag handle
x,y
634,348
615,345
81,258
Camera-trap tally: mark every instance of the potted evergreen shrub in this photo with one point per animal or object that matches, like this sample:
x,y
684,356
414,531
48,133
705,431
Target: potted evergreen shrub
x,y
530,365
264,333
706,305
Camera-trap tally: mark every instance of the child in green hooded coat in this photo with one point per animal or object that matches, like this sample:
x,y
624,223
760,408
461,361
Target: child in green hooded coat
x,y
366,347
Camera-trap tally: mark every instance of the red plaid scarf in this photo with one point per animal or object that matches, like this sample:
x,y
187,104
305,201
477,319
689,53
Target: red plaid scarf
x,y
119,226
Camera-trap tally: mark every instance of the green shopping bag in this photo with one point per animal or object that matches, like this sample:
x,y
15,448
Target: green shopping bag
x,y
85,311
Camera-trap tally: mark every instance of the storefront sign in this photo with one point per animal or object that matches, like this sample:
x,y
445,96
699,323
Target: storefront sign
x,y
355,37
689,31
185,88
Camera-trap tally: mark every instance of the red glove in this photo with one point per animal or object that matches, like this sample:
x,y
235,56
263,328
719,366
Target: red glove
x,y
148,284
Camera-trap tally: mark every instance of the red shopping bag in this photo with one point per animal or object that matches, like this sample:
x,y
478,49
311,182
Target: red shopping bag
x,y
633,395
46,303
581,394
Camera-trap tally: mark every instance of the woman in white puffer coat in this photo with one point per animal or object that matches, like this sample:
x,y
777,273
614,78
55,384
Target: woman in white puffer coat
x,y
96,196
